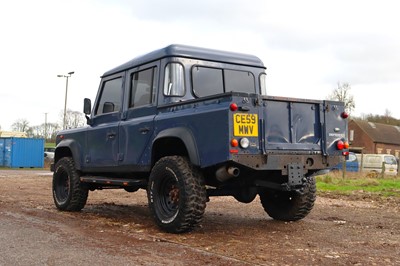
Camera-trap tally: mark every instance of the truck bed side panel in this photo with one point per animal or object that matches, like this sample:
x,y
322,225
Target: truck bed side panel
x,y
207,121
335,126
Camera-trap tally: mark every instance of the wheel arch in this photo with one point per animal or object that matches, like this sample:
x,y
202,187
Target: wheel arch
x,y
68,148
175,141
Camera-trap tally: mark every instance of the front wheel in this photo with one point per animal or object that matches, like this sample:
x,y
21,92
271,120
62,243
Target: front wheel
x,y
177,195
290,206
68,192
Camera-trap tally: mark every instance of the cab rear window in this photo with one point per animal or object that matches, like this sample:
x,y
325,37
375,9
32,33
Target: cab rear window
x,y
208,81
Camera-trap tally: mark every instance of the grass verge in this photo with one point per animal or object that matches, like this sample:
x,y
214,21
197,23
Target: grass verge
x,y
358,183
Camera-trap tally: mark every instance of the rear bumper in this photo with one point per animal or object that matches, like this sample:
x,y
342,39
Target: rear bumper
x,y
261,162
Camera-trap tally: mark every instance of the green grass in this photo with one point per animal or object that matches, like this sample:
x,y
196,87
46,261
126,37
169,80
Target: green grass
x,y
389,186
49,145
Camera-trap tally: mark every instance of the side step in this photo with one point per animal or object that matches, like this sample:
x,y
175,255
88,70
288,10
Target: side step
x,y
114,182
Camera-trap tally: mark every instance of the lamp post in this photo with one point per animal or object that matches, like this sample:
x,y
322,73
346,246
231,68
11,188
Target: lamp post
x,y
66,93
45,127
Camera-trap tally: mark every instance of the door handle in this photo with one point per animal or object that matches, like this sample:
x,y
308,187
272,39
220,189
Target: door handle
x,y
111,135
144,130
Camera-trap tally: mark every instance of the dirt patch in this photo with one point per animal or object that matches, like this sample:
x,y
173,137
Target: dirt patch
x,y
116,227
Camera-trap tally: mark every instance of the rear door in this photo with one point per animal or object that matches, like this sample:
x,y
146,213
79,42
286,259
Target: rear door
x,y
137,124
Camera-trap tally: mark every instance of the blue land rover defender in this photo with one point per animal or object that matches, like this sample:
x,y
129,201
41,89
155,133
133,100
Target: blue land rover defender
x,y
188,123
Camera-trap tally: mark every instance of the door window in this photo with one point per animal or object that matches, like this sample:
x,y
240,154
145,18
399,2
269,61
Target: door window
x,y
110,98
141,90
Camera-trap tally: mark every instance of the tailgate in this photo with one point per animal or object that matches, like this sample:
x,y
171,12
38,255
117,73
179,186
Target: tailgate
x,y
302,125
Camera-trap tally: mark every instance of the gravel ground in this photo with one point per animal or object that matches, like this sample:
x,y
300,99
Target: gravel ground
x,y
115,228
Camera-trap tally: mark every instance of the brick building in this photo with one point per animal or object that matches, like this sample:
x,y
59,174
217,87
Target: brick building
x,y
375,137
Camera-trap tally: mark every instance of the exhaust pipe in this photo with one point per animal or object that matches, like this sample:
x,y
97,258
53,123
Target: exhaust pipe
x,y
223,174
233,171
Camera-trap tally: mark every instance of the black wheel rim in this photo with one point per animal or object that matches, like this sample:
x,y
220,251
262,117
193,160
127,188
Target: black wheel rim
x,y
62,185
168,201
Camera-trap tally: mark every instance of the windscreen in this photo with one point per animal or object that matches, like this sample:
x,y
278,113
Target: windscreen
x,y
390,160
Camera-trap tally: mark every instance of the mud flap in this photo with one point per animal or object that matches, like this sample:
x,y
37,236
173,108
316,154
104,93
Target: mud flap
x,y
295,174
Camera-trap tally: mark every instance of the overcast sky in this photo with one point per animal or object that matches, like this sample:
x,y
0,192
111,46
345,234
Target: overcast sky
x,y
308,47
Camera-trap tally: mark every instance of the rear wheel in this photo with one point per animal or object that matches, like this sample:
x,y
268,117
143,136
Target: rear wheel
x,y
176,194
68,192
289,206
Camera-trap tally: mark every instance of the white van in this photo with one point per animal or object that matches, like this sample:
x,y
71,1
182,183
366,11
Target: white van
x,y
374,162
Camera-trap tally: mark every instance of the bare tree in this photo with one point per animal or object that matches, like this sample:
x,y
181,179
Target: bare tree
x,y
73,119
342,93
36,132
21,125
51,131
47,131
387,116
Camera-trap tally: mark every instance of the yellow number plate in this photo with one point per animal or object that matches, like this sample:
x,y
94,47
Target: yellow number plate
x,y
245,125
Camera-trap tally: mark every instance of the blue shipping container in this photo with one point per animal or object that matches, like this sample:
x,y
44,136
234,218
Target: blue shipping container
x,y
21,152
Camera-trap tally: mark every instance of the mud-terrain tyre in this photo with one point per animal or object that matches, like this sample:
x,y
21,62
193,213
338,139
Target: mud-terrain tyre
x,y
177,195
69,193
290,206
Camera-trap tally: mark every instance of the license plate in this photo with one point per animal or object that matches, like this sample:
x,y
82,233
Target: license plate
x,y
245,125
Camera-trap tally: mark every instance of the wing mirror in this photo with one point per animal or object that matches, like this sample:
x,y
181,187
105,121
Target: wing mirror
x,y
87,106
87,109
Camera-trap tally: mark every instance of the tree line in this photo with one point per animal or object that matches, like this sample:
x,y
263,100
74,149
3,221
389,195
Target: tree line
x,y
48,131
342,93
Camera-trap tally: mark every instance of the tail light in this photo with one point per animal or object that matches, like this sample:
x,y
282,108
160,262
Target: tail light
x,y
233,107
234,143
341,145
344,115
346,145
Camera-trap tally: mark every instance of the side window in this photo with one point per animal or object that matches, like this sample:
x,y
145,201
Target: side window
x,y
207,81
141,92
263,84
239,81
110,98
174,84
